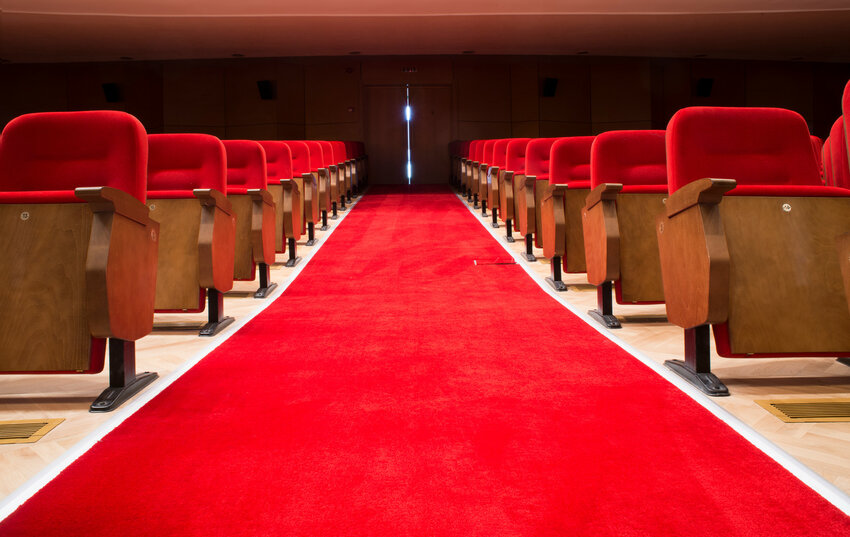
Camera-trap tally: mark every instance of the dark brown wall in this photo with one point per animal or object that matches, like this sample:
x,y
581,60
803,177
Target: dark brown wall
x,y
490,96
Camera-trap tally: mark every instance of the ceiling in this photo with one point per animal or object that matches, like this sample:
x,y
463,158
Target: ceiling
x,y
108,30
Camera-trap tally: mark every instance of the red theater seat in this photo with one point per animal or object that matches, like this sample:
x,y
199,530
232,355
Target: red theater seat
x,y
533,191
471,174
344,164
748,240
562,202
307,186
79,247
332,173
628,178
511,183
187,181
840,164
322,180
817,147
483,169
494,177
254,210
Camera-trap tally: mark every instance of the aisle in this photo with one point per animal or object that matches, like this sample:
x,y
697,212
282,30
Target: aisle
x,y
399,388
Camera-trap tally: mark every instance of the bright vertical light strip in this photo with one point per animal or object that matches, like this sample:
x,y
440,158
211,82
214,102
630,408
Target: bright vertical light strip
x,y
408,114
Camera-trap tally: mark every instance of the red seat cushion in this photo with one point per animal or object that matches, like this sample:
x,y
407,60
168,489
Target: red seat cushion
x,y
636,159
246,166
537,155
45,156
278,161
180,163
515,155
300,153
570,161
754,146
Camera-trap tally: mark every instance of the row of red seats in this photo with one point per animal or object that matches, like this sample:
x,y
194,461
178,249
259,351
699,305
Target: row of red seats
x,y
724,217
105,224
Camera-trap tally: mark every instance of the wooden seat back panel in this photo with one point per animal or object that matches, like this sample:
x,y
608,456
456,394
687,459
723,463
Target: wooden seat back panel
x,y
243,266
43,321
216,239
177,276
640,265
786,292
574,260
277,196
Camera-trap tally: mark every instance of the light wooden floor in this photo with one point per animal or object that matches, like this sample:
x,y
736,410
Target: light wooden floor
x,y
824,447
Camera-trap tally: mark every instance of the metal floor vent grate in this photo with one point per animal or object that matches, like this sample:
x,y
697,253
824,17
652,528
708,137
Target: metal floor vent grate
x,y
808,410
25,431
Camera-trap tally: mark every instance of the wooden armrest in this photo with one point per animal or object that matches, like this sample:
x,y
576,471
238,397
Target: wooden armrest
x,y
708,191
557,190
260,194
103,199
605,191
530,179
210,197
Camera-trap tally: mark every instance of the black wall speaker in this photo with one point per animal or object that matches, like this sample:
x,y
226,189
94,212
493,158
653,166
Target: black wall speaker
x,y
112,92
268,89
703,87
550,86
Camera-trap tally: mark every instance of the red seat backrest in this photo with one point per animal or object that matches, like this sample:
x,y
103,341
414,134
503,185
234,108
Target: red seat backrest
x,y
570,161
278,161
180,163
766,150
246,166
827,162
473,149
817,147
515,155
636,159
537,154
45,156
487,152
317,158
838,151
328,157
300,153
340,153
500,153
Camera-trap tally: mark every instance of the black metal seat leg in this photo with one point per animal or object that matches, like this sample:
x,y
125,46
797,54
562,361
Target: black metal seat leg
x,y
266,285
124,382
529,248
293,258
604,312
555,280
696,368
495,222
509,226
215,317
324,220
311,234
475,200
342,202
483,207
333,208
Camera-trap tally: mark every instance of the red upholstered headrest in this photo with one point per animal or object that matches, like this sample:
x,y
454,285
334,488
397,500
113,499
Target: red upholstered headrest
x,y
537,154
570,161
278,161
246,166
515,155
817,147
45,156
473,149
487,152
339,152
327,153
840,164
827,162
765,148
500,150
300,153
180,163
633,158
317,158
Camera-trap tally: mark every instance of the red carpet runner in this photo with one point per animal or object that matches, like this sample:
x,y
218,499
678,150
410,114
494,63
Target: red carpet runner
x,y
397,389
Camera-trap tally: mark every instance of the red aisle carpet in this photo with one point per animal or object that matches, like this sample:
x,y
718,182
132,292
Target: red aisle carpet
x,y
398,389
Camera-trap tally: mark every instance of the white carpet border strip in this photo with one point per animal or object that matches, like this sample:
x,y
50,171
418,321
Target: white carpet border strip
x,y
830,492
33,485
